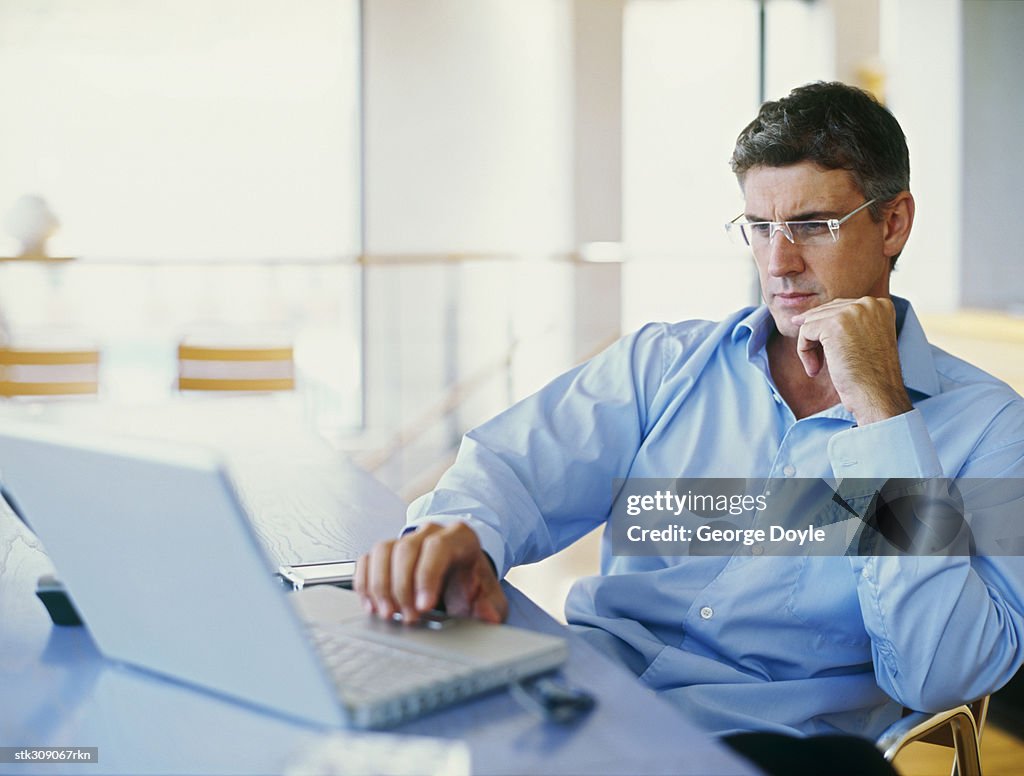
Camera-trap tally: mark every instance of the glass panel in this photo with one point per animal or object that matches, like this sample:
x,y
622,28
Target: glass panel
x,y
202,158
184,128
800,45
136,313
690,85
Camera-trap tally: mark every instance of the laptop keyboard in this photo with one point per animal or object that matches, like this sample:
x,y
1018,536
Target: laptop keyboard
x,y
391,684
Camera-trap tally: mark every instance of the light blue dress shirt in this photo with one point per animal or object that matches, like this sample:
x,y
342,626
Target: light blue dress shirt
x,y
745,642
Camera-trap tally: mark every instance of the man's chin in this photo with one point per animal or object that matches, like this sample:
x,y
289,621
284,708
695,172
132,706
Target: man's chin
x,y
784,324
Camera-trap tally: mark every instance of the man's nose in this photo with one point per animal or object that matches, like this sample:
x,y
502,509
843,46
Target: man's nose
x,y
784,257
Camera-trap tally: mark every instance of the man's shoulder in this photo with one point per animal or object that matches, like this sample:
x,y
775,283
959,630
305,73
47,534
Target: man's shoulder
x,y
956,374
978,399
936,372
690,343
700,330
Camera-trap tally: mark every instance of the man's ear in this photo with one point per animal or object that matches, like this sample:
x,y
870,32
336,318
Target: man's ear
x,y
897,220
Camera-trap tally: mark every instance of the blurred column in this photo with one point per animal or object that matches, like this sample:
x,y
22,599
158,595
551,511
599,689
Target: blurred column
x,y
467,170
597,174
922,51
993,114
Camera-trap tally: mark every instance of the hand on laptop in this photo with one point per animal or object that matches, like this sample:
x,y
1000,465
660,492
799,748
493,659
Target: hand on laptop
x,y
431,565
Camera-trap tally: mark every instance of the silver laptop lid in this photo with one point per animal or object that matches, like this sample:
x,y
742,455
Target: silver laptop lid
x,y
163,564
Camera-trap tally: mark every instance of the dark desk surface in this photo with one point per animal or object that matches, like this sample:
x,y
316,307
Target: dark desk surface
x,y
57,690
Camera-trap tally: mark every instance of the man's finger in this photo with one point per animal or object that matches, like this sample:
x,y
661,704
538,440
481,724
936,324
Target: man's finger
x,y
378,582
822,311
491,605
359,582
442,551
809,350
404,559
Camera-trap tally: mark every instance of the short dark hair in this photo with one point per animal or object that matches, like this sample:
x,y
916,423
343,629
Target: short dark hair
x,y
835,126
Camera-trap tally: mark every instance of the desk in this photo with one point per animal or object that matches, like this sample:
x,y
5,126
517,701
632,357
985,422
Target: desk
x,y
277,462
57,690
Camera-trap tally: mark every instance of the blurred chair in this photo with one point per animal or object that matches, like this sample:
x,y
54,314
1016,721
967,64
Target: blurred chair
x,y
959,728
37,371
232,367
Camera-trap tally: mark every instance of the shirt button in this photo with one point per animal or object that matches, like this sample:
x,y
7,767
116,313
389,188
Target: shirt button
x,y
789,470
757,549
706,613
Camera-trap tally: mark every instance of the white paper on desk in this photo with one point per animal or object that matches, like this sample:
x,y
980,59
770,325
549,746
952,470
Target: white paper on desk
x,y
380,754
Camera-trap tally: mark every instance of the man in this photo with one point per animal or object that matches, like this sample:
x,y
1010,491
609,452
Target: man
x,y
830,378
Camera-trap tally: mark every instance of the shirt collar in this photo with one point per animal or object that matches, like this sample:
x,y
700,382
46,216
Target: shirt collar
x,y
916,361
757,325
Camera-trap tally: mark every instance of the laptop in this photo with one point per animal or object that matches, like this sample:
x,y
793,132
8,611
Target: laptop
x,y
154,545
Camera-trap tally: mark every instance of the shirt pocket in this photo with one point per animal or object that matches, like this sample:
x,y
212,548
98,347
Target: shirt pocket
x,y
823,598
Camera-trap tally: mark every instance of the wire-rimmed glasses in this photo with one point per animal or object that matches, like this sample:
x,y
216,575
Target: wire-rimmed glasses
x,y
759,234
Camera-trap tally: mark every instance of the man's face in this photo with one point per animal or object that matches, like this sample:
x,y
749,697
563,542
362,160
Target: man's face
x,y
795,278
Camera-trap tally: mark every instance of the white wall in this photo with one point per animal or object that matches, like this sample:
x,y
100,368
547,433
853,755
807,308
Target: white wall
x,y
800,45
856,33
468,133
467,125
922,55
691,86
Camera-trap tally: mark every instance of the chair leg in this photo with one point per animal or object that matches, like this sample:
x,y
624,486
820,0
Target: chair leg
x,y
965,742
917,725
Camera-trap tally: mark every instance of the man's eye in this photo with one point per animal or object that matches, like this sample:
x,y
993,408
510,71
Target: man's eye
x,y
808,228
759,229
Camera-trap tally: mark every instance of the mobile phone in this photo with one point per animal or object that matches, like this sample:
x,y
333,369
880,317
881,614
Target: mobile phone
x,y
553,699
57,601
338,573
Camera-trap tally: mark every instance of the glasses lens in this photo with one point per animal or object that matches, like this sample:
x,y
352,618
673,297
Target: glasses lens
x,y
760,234
736,234
811,232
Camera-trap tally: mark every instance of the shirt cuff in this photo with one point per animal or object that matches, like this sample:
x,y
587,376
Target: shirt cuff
x,y
895,447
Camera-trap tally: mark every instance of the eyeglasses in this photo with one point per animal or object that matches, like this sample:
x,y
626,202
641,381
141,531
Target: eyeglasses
x,y
758,234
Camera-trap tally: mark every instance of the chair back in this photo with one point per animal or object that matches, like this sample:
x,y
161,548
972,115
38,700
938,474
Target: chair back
x,y
959,728
37,372
221,367
943,735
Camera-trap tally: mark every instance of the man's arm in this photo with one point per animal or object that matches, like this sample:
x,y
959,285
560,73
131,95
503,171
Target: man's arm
x,y
525,484
945,627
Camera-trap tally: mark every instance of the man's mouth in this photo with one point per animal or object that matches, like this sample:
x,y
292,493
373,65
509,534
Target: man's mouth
x,y
793,298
